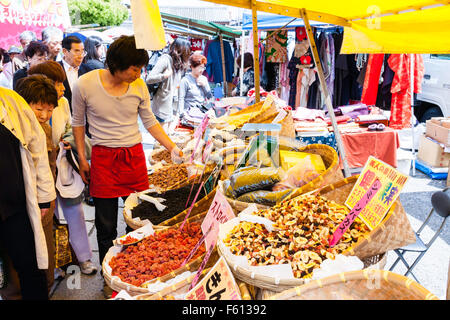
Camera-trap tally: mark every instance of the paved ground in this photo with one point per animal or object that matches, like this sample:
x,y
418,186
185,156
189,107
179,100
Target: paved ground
x,y
431,271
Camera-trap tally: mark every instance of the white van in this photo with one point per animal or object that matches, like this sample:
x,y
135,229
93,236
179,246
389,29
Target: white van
x,y
434,101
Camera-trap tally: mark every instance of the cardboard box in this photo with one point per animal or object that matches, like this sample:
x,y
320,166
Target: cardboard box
x,y
432,153
439,130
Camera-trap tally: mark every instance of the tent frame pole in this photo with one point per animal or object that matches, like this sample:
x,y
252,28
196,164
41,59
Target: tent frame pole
x,y
324,89
256,51
413,149
224,73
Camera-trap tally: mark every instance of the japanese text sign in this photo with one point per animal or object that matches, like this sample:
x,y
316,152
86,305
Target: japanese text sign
x,y
357,209
218,284
219,212
392,182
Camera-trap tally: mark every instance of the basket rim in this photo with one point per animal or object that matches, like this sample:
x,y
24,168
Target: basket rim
x,y
388,276
110,279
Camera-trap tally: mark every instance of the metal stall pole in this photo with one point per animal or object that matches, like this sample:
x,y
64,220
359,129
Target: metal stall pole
x,y
256,51
412,115
323,86
241,70
224,73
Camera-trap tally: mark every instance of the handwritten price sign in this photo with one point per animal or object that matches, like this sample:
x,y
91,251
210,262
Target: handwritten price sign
x,y
218,284
357,209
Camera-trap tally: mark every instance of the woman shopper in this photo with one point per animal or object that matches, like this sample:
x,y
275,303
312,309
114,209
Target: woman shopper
x,y
194,88
168,72
112,99
24,165
35,53
40,93
95,51
71,208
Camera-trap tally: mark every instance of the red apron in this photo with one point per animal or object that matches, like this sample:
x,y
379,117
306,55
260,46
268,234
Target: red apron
x,y
117,172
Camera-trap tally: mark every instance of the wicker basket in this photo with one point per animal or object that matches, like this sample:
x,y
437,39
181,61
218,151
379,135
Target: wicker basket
x,y
136,223
359,285
117,284
182,287
332,174
393,232
279,285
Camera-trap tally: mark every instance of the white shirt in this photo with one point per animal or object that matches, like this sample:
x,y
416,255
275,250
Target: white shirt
x,y
71,73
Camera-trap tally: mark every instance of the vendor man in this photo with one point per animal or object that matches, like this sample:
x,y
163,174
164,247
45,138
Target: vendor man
x,y
112,99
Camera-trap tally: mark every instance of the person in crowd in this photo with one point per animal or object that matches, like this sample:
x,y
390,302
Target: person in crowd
x,y
248,77
194,87
25,38
40,93
112,99
72,62
168,72
26,197
72,208
11,66
53,37
95,50
4,59
36,52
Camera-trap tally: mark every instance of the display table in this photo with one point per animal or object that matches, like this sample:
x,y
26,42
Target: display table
x,y
382,145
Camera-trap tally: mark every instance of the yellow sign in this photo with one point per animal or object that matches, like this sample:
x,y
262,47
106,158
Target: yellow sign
x,y
218,284
392,183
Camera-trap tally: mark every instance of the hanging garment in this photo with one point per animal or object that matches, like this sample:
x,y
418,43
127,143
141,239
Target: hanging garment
x,y
293,73
196,44
284,81
401,88
309,77
372,78
276,47
205,53
214,64
384,96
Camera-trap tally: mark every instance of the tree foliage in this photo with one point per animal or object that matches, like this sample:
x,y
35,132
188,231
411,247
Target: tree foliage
x,y
102,12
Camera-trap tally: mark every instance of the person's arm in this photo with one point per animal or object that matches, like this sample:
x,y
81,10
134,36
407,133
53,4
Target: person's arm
x,y
160,72
181,95
78,129
160,135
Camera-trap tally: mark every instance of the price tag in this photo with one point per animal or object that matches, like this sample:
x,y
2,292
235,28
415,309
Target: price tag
x,y
218,284
392,182
348,220
219,212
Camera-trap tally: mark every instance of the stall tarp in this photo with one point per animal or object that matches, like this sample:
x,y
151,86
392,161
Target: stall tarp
x,y
18,16
372,26
267,21
147,25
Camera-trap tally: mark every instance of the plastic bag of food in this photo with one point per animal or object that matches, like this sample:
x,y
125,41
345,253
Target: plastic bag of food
x,y
291,158
264,197
299,175
250,179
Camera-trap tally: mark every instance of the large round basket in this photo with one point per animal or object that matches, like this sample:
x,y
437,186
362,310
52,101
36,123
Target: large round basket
x,y
332,174
182,287
393,232
117,284
279,285
359,285
136,223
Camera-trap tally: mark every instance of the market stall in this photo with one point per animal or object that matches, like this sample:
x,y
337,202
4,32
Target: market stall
x,y
277,216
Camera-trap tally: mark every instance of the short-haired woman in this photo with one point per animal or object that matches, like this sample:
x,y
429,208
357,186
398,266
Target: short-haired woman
x,y
248,81
194,87
36,52
168,71
72,208
112,99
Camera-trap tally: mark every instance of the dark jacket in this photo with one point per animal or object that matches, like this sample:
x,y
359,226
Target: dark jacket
x,y
68,92
19,74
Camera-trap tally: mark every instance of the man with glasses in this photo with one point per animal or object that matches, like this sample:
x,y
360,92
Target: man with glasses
x,y
73,54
